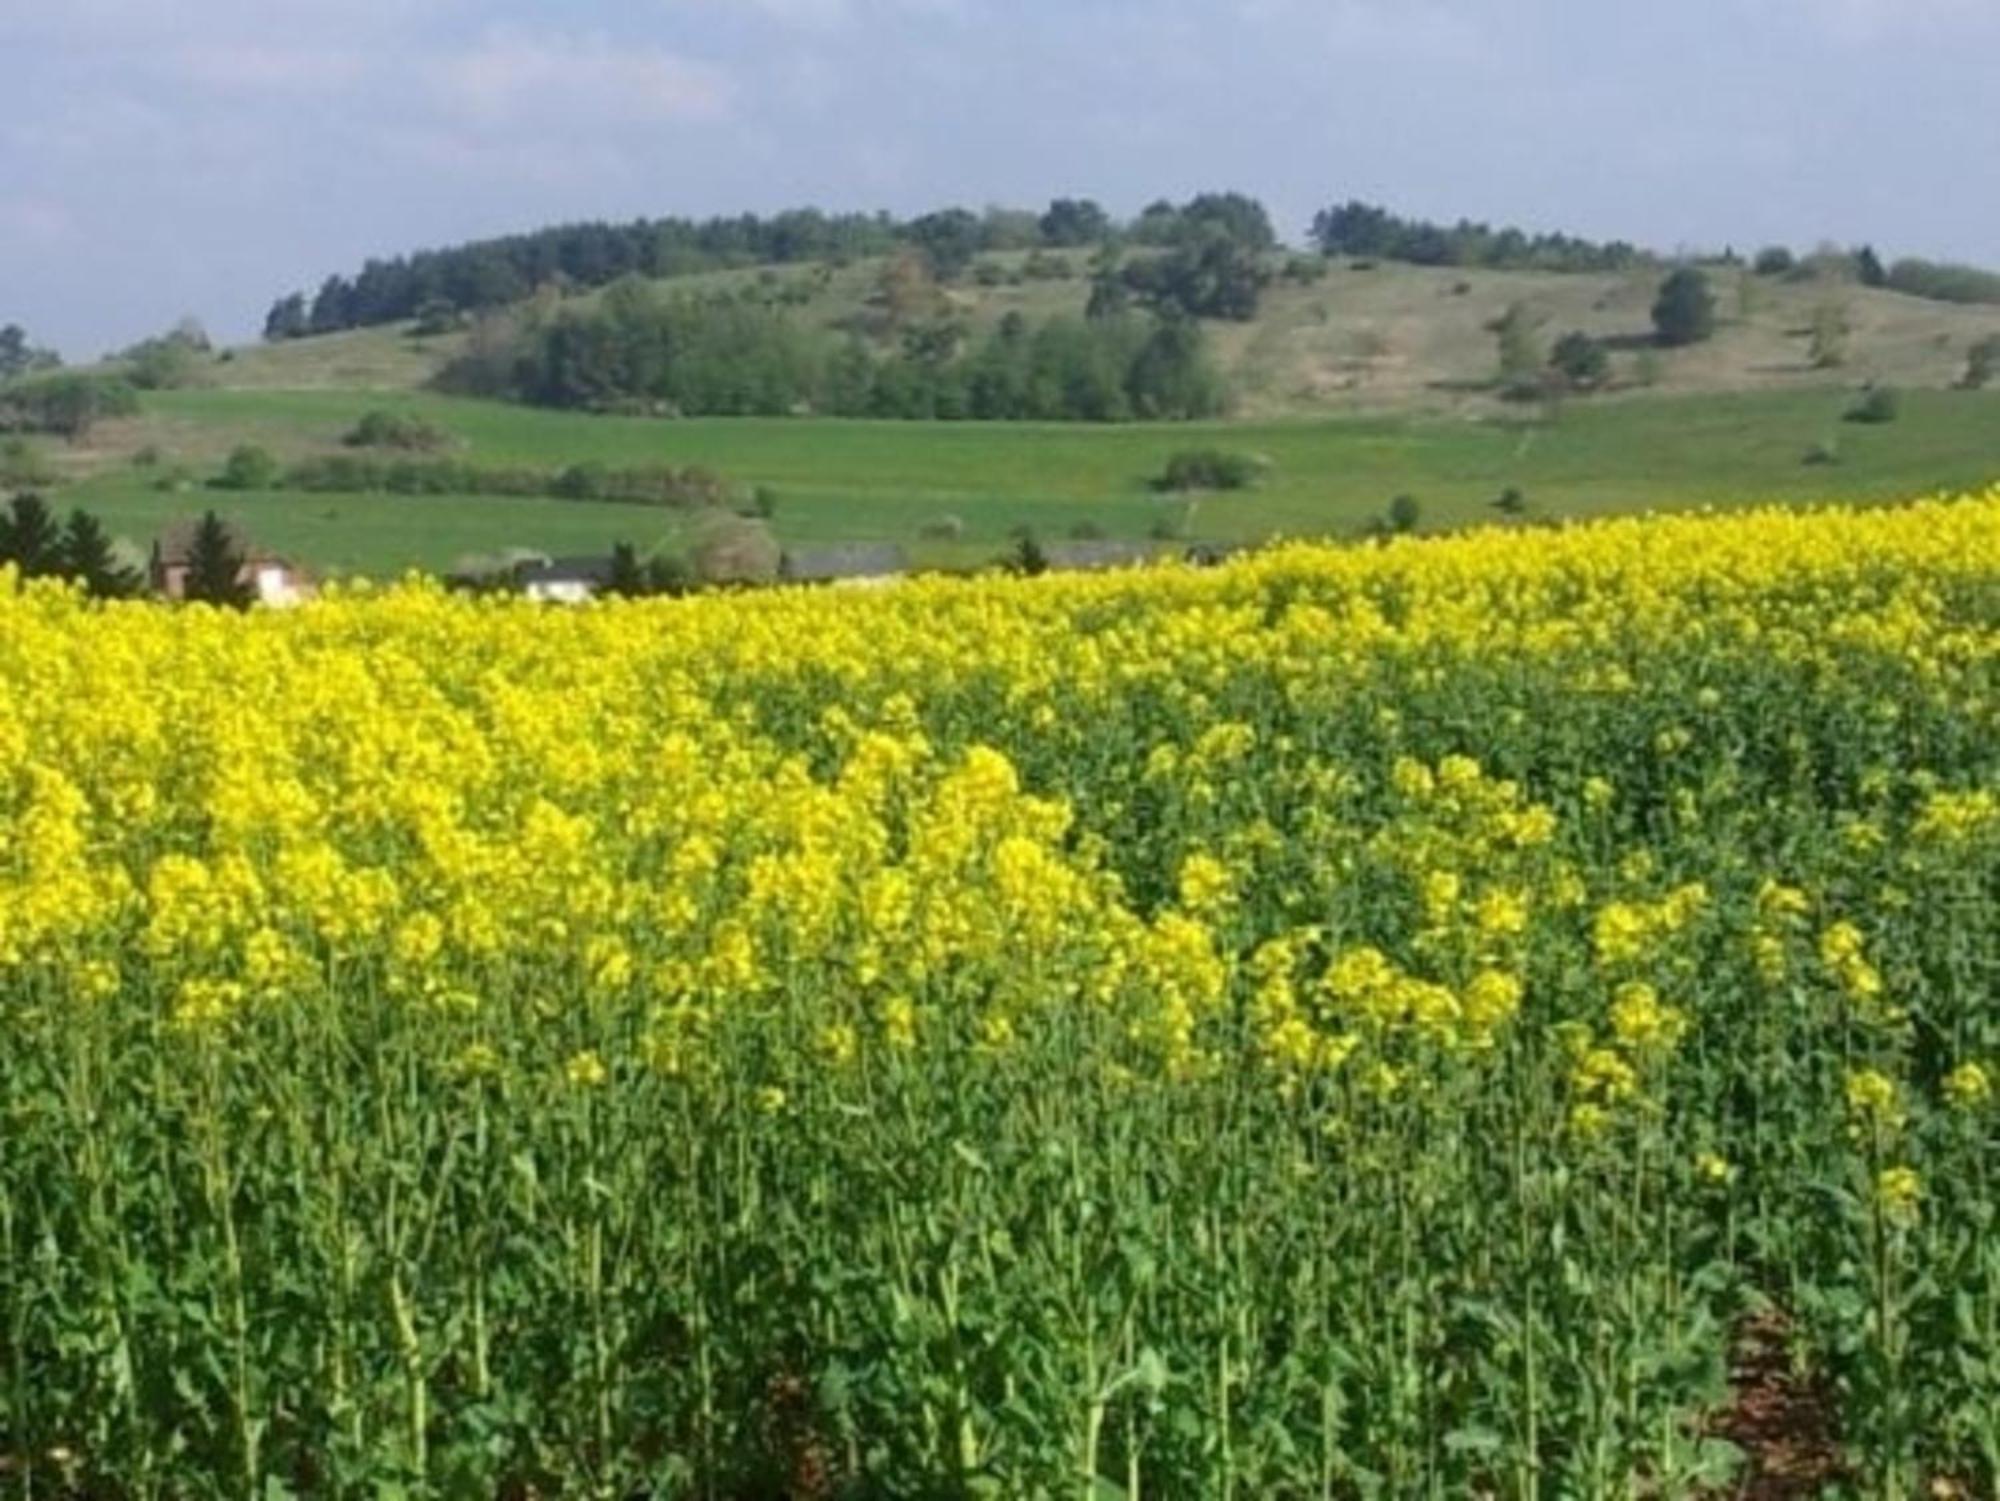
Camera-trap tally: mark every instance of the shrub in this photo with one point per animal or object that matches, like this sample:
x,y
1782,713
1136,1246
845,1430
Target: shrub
x,y
735,550
398,431
1405,514
1878,404
1943,281
1774,260
1684,311
942,529
1829,336
68,404
1026,557
1982,363
1582,362
165,364
1207,469
22,465
248,467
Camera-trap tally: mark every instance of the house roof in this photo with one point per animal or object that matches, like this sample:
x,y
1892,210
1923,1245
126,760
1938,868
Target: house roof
x,y
174,547
568,571
1096,554
858,560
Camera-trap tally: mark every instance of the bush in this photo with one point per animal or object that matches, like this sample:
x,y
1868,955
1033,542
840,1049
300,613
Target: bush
x,y
165,364
1943,281
1830,330
22,465
1405,514
395,430
1207,469
341,473
1982,363
1774,260
248,467
1684,311
734,550
1582,362
68,405
942,529
1877,405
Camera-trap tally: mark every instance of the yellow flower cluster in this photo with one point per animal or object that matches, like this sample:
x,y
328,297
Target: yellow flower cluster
x,y
958,813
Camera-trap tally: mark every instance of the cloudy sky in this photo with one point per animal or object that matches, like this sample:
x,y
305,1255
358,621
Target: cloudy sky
x,y
169,157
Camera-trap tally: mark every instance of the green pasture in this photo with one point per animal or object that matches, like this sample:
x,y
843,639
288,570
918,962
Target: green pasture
x,y
890,481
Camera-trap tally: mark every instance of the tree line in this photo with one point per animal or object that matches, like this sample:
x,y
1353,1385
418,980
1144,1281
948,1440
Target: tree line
x,y
38,545
643,351
1369,231
484,274
65,403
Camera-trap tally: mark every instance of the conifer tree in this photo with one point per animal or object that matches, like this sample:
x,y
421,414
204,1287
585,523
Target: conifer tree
x,y
215,566
30,538
87,556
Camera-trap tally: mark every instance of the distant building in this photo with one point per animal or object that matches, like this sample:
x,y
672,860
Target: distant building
x,y
565,581
1085,557
272,580
855,563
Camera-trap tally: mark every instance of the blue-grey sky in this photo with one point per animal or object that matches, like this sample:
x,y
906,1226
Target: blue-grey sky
x,y
169,157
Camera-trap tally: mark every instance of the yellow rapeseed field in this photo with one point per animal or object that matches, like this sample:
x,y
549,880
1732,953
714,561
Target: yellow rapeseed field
x,y
1351,1023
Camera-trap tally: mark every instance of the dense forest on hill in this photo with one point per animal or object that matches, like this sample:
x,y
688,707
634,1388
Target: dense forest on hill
x,y
1224,232
443,283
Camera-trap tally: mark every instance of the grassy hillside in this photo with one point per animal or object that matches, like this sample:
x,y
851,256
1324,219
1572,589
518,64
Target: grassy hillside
x,y
1388,337
893,481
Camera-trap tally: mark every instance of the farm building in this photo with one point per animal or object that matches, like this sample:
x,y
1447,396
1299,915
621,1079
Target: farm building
x,y
1088,556
565,581
853,564
271,579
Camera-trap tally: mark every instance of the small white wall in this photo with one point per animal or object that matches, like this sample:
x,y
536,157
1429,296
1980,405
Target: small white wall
x,y
275,585
561,591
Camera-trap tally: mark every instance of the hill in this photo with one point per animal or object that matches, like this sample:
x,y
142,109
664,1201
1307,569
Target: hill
x,y
1369,336
1359,379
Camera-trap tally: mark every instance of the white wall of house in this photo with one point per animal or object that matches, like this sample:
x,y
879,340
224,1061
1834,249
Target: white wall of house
x,y
560,591
276,584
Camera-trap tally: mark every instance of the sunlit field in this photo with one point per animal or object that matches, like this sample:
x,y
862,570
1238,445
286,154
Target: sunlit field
x,y
1373,1022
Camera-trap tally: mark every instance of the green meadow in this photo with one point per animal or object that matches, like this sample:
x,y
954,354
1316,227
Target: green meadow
x,y
896,481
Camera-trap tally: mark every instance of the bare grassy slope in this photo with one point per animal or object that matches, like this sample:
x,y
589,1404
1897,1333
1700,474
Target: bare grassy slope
x,y
1387,338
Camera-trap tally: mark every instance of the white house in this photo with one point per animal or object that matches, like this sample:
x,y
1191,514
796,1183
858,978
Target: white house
x,y
565,581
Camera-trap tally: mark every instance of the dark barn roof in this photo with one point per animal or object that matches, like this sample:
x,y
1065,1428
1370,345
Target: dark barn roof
x,y
175,546
1096,554
858,560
